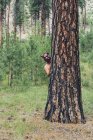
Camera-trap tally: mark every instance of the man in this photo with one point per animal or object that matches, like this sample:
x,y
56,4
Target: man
x,y
46,57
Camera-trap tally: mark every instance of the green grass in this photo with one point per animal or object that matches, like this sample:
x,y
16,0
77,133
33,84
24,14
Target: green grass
x,y
15,106
87,95
18,105
34,99
30,100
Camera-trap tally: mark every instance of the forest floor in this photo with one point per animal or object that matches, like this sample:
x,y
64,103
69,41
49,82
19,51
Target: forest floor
x,y
43,130
21,118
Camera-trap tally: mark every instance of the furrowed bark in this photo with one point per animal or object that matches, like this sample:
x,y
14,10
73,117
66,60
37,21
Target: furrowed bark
x,y
64,103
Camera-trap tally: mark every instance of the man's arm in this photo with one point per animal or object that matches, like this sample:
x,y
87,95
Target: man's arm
x,y
47,68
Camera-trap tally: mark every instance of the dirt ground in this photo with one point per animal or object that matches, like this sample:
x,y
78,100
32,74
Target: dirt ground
x,y
43,130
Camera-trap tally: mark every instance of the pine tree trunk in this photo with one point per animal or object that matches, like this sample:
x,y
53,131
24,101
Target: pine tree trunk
x,y
1,29
83,13
84,17
31,21
64,103
7,32
49,26
20,30
35,25
15,31
10,75
38,16
43,18
23,28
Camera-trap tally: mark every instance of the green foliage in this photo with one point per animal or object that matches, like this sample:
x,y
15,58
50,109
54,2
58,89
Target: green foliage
x,y
25,111
35,7
2,63
22,61
86,53
86,41
3,4
19,12
89,20
81,3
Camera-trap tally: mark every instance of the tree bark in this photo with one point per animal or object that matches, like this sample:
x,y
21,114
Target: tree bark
x,y
1,28
15,29
8,26
35,24
38,16
64,103
49,32
20,30
84,20
43,18
10,75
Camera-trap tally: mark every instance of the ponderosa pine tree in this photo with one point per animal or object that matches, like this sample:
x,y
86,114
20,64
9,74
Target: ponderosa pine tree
x,y
64,103
43,17
3,4
82,5
18,15
39,11
34,8
45,12
1,18
8,26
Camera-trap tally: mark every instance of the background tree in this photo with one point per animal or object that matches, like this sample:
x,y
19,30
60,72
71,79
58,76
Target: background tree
x,y
40,11
3,5
34,8
82,5
8,24
1,18
18,15
45,13
23,67
64,102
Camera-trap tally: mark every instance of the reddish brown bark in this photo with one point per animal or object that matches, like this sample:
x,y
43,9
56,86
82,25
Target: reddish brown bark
x,y
64,103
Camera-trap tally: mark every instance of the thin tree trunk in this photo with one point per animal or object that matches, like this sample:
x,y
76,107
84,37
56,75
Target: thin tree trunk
x,y
15,30
23,27
31,19
49,26
43,18
85,17
10,76
82,18
38,30
8,26
5,17
35,24
64,103
20,29
83,13
1,29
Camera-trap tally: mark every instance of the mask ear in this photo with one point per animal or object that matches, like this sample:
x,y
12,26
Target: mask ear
x,y
47,53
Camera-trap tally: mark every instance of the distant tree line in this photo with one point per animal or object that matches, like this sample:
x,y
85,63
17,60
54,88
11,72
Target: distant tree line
x,y
20,60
